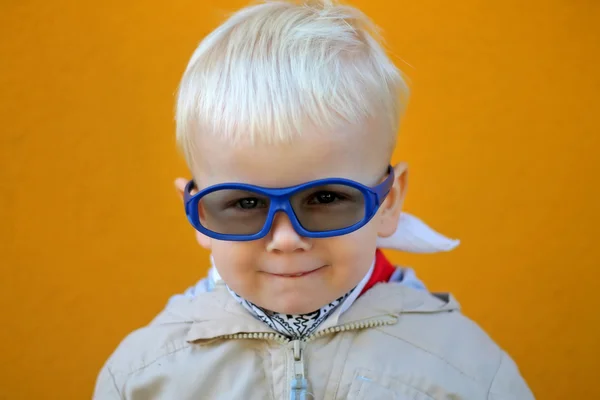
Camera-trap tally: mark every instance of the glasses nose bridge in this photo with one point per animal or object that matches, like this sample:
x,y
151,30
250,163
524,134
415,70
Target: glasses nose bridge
x,y
280,198
280,201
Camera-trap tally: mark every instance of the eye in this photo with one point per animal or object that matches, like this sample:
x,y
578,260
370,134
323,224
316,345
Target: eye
x,y
249,203
323,197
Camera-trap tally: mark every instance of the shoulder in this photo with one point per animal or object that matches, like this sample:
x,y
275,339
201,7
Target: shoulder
x,y
165,335
139,350
452,338
434,329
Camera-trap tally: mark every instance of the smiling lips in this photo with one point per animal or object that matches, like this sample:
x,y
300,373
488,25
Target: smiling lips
x,y
295,275
298,275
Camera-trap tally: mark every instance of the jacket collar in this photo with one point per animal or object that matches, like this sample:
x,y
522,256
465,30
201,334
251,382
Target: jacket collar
x,y
214,314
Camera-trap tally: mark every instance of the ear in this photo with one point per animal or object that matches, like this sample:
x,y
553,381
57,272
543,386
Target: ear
x,y
390,210
202,240
180,186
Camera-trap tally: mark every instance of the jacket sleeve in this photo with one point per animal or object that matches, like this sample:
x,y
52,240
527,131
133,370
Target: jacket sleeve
x,y
106,387
508,384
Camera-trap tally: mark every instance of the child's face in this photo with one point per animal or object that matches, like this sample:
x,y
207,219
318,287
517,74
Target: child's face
x,y
255,269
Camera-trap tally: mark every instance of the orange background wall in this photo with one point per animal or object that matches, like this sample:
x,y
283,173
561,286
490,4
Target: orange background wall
x,y
502,136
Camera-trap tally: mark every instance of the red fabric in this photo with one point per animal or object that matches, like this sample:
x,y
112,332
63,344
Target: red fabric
x,y
382,272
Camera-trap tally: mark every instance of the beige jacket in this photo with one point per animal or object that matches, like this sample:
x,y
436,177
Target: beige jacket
x,y
393,343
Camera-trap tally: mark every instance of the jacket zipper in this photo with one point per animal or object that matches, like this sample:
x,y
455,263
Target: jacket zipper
x,y
299,383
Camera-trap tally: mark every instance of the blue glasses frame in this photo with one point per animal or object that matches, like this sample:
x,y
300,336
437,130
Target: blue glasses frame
x,y
280,201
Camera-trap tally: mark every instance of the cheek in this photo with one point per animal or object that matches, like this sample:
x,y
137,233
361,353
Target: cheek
x,y
355,252
233,260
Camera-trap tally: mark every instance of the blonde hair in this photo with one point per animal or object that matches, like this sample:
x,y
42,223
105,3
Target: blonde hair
x,y
276,69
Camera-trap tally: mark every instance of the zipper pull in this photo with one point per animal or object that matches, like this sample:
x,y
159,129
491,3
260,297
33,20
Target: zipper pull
x,y
299,384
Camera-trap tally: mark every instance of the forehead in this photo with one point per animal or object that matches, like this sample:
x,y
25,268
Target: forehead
x,y
356,155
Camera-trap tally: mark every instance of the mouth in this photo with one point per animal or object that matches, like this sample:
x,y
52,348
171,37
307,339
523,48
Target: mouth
x,y
298,274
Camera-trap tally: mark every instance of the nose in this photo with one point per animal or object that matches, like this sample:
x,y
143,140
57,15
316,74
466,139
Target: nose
x,y
283,238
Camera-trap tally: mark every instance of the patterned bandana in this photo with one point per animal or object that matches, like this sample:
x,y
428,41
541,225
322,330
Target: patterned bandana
x,y
292,326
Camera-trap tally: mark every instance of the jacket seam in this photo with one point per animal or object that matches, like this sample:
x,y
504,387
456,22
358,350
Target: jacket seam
x,y
489,393
433,354
343,364
267,359
114,381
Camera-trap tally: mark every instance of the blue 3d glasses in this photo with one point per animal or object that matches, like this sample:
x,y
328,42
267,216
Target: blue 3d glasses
x,y
317,209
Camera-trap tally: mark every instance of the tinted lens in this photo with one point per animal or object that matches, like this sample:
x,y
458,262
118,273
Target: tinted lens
x,y
329,207
233,212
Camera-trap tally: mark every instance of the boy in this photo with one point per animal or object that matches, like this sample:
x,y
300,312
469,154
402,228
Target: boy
x,y
287,115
